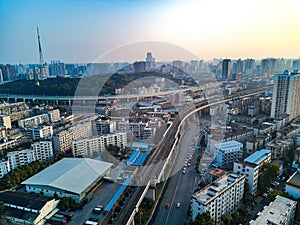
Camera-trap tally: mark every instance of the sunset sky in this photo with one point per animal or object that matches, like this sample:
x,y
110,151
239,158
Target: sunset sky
x,y
81,31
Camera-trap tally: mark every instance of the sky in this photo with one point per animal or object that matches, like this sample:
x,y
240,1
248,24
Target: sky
x,y
85,30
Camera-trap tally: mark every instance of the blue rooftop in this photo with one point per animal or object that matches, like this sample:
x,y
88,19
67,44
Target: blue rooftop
x,y
140,145
142,157
134,155
258,156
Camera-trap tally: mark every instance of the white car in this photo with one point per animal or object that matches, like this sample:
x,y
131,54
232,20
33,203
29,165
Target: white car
x,y
178,204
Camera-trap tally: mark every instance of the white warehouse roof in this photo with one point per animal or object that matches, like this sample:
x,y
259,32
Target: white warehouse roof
x,y
71,174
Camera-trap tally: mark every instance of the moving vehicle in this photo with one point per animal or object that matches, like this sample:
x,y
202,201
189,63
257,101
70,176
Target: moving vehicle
x,y
167,205
178,204
98,209
88,222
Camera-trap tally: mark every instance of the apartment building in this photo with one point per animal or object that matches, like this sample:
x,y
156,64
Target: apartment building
x,y
222,197
286,95
281,211
4,167
54,115
279,146
34,121
41,132
227,152
137,130
39,151
5,121
90,146
251,166
62,141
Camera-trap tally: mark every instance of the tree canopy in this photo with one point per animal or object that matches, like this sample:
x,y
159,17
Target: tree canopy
x,y
203,219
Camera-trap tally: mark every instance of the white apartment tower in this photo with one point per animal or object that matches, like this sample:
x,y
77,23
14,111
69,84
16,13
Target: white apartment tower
x,y
286,95
222,197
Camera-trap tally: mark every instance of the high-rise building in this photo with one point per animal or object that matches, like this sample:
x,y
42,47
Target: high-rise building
x,y
226,64
222,197
149,61
249,66
286,95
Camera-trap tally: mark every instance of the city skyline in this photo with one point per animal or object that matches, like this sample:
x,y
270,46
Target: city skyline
x,y
82,31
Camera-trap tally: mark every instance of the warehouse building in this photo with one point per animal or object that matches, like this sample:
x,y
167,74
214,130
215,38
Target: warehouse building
x,y
69,177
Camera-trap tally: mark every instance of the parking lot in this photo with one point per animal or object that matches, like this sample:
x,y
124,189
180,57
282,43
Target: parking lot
x,y
102,196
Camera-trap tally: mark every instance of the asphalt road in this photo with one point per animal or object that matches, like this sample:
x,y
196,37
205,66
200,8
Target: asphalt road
x,y
102,196
179,187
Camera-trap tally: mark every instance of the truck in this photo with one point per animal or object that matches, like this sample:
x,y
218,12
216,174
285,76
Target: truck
x,y
88,198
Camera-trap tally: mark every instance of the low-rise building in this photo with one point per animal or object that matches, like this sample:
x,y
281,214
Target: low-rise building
x,y
69,177
227,152
222,197
281,211
288,131
292,185
279,147
257,142
27,208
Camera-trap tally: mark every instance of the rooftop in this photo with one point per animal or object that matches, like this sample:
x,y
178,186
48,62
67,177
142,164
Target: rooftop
x,y
21,214
258,156
71,174
276,212
218,172
294,180
206,194
140,145
229,144
23,199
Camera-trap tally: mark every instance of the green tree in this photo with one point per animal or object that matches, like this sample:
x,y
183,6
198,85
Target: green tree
x,y
65,203
225,219
272,194
3,219
203,219
269,172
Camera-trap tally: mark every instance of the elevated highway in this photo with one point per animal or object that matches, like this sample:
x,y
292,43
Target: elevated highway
x,y
157,167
